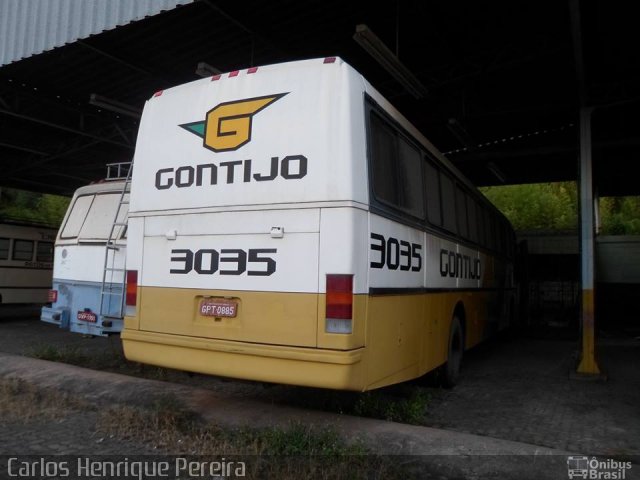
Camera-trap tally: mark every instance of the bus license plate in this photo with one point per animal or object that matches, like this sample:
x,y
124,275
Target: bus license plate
x,y
87,317
218,308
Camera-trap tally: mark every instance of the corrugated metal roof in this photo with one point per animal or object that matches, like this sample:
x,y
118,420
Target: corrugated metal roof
x,y
29,27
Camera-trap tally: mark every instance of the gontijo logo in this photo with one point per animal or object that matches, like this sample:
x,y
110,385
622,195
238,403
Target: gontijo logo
x,y
227,126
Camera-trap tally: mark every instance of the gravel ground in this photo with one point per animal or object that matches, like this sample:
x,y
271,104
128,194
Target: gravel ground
x,y
512,388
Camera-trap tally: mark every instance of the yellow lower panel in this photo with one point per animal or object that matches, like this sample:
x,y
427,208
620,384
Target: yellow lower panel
x,y
268,363
280,318
396,338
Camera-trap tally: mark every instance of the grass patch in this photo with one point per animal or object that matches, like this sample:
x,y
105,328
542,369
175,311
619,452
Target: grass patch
x,y
295,451
291,452
409,408
24,401
404,403
111,361
71,355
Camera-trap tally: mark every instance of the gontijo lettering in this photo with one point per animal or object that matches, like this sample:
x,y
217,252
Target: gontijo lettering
x,y
459,265
292,167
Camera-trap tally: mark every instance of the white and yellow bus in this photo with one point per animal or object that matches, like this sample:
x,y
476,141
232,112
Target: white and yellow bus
x,y
289,225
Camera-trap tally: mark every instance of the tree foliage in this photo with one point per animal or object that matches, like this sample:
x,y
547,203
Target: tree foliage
x,y
554,206
32,207
620,215
540,206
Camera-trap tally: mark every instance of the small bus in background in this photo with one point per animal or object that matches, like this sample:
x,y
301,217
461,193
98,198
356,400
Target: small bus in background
x,y
26,261
89,258
289,225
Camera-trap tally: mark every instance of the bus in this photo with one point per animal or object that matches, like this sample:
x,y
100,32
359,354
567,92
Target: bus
x,y
26,261
89,260
289,225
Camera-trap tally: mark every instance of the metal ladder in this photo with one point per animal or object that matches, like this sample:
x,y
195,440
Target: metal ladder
x,y
111,290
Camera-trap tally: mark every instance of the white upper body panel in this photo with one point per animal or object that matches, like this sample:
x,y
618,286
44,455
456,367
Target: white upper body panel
x,y
289,133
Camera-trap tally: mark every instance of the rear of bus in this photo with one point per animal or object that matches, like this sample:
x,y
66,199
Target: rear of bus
x,y
248,227
79,300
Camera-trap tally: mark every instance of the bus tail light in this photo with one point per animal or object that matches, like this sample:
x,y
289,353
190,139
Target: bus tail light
x,y
339,312
131,291
52,297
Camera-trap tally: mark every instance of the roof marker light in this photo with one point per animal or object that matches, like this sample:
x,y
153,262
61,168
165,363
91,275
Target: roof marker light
x,y
216,77
158,93
329,60
234,73
252,70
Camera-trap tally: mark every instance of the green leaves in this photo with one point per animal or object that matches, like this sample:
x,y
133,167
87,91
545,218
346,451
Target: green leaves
x,y
540,206
32,207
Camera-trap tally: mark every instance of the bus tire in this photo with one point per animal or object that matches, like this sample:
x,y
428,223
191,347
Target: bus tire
x,y
451,369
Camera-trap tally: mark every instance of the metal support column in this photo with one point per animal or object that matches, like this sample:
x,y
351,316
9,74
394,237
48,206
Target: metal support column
x,y
587,365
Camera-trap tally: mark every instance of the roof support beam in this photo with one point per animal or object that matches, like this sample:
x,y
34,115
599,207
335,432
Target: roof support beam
x,y
121,61
23,149
576,31
66,129
29,165
588,365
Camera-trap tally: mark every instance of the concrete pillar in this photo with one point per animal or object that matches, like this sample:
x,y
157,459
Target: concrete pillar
x,y
588,364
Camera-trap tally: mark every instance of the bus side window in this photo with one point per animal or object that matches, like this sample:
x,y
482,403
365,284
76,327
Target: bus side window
x,y
448,203
4,248
499,237
383,148
22,250
432,186
44,252
490,229
397,174
481,226
461,210
410,177
472,217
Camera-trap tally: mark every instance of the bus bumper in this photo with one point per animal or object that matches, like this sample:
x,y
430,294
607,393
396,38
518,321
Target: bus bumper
x,y
335,369
57,316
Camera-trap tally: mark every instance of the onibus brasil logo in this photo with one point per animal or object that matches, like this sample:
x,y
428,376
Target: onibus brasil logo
x,y
227,126
609,469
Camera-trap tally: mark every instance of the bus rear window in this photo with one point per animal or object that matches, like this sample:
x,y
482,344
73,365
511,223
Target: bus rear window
x,y
100,217
92,216
76,217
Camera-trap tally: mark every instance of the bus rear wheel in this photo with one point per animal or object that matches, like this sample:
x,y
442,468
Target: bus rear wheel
x,y
451,369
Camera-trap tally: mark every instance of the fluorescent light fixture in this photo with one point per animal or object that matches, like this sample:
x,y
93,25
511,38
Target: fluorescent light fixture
x,y
493,168
114,106
392,64
205,70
